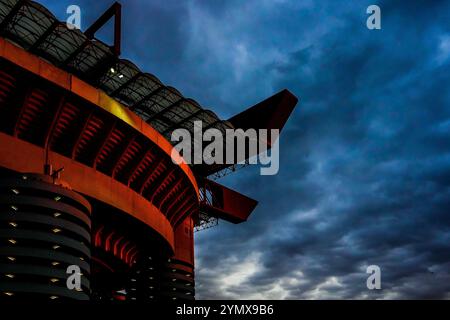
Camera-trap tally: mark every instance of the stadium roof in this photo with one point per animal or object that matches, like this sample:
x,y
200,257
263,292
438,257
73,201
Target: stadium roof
x,y
33,27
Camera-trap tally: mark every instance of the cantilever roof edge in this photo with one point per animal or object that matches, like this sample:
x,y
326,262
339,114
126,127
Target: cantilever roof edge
x,y
37,30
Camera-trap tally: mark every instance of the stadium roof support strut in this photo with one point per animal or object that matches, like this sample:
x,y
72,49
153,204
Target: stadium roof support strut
x,y
11,14
114,11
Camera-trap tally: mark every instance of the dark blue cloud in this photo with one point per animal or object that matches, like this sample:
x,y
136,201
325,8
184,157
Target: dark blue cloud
x,y
365,161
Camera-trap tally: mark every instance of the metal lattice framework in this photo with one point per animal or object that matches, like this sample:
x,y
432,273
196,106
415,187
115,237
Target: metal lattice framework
x,y
205,221
34,28
228,170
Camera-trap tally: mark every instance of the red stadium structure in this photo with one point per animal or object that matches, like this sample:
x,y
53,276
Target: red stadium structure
x,y
86,175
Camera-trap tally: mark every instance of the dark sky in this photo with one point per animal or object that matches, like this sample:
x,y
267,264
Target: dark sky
x,y
365,157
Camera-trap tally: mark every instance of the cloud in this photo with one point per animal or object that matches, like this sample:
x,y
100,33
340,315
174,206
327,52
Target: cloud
x,y
371,166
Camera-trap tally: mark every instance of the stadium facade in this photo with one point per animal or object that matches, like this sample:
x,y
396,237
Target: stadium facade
x,y
86,174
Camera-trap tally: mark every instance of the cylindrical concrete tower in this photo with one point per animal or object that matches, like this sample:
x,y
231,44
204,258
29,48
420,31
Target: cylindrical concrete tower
x,y
44,228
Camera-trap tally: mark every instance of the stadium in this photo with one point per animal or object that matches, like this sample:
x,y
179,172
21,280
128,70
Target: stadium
x,y
86,170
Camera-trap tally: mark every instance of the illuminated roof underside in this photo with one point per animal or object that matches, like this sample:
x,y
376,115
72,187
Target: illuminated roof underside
x,y
37,30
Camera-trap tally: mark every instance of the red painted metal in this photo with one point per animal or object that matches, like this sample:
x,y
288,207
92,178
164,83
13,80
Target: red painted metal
x,y
226,203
